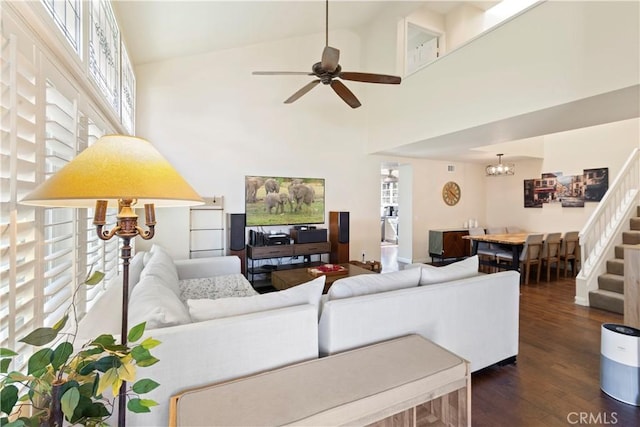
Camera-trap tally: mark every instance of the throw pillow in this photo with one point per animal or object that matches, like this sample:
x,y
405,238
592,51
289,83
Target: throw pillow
x,y
161,265
365,284
153,302
307,293
230,285
458,270
135,269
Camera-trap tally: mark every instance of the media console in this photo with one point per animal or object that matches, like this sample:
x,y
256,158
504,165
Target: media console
x,y
282,251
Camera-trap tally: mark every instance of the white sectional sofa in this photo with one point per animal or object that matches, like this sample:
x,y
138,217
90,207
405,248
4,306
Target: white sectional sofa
x,y
213,326
193,354
475,317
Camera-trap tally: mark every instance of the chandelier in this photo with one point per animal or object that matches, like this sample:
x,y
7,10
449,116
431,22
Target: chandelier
x,y
501,168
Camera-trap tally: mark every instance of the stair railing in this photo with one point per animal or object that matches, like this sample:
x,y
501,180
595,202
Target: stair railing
x,y
603,225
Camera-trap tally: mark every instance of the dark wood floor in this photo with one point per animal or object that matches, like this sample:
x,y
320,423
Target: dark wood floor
x,y
556,378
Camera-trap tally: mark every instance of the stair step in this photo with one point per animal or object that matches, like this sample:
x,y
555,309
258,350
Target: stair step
x,y
635,223
606,300
611,282
615,266
631,237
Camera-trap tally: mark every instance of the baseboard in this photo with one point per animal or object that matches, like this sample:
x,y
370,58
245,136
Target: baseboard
x,y
508,361
581,301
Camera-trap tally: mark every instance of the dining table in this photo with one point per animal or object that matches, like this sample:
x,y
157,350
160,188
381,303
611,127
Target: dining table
x,y
514,241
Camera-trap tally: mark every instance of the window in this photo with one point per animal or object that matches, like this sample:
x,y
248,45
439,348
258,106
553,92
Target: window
x,y
66,14
18,177
104,51
46,120
128,95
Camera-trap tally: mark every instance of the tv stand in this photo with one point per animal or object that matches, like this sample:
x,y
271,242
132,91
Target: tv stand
x,y
306,250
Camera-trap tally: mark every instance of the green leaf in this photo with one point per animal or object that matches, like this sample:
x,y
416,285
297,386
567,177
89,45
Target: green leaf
x,y
87,389
61,355
5,352
148,362
104,340
4,365
135,405
85,367
18,376
9,398
40,336
150,343
83,406
95,278
140,353
17,423
69,401
136,332
145,385
39,361
106,363
95,410
60,323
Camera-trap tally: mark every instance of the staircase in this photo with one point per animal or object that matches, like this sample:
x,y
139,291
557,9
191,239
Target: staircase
x,y
610,293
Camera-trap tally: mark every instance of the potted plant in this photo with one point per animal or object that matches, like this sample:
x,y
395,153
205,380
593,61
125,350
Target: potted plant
x,y
63,384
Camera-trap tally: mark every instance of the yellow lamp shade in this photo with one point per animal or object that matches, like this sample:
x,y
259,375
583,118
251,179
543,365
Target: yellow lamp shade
x,y
115,167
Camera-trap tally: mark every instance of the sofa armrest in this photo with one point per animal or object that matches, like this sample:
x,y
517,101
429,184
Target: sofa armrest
x,y
207,267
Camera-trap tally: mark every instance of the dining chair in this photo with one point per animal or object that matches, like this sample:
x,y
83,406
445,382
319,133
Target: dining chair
x,y
551,253
496,230
484,251
529,256
570,251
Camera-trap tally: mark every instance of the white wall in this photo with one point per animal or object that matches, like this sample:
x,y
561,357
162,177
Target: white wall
x,y
463,23
585,49
568,152
216,123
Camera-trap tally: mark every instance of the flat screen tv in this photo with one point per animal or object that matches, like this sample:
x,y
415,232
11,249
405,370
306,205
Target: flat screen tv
x,y
276,200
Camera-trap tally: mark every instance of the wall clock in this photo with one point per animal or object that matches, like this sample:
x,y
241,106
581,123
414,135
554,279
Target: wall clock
x,y
451,193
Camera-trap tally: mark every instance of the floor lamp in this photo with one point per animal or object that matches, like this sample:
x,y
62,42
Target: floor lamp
x,y
118,171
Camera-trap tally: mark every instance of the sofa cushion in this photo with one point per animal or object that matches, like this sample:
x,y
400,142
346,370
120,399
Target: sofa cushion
x,y
135,269
161,265
458,270
365,284
307,293
155,303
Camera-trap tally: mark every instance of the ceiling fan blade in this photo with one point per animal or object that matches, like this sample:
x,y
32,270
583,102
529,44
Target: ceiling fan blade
x,y
370,78
344,93
306,88
282,73
330,58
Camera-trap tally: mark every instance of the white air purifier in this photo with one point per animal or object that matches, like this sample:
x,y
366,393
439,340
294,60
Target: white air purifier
x,y
620,363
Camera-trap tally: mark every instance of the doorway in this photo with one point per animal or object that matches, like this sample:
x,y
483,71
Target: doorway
x,y
389,208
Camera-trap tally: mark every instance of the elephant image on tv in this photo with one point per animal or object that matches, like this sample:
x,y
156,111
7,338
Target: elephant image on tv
x,y
301,194
272,186
251,187
278,201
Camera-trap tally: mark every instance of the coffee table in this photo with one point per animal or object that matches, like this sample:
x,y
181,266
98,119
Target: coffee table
x,y
284,279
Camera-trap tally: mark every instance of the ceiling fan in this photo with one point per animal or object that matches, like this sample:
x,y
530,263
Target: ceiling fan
x,y
328,70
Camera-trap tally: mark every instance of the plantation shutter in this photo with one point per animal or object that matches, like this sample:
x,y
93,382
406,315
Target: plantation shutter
x,y
59,223
18,268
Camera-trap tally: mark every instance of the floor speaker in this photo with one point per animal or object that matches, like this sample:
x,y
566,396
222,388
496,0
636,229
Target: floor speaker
x,y
339,237
236,237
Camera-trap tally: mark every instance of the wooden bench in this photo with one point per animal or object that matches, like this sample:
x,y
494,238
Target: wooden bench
x,y
408,381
